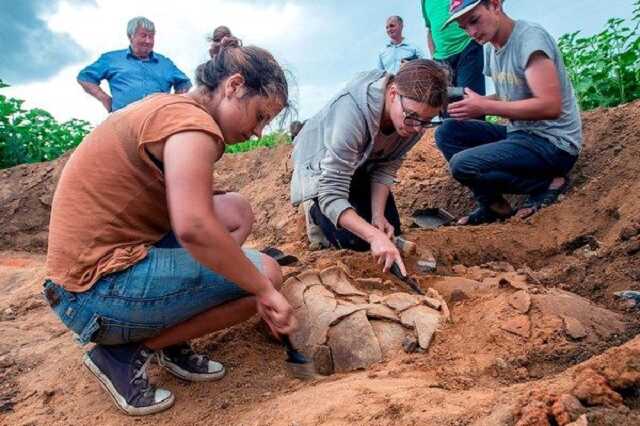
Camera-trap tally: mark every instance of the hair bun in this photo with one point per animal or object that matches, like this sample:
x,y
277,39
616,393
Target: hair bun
x,y
230,42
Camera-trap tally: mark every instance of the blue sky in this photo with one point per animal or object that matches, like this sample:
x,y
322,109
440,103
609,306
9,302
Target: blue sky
x,y
322,43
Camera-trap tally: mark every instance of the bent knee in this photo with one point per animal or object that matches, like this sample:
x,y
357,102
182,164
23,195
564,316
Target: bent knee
x,y
272,270
241,209
460,168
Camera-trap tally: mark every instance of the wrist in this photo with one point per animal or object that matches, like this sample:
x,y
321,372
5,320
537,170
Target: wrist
x,y
372,234
265,289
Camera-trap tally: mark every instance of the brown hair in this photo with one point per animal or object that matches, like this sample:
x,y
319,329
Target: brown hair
x,y
219,33
261,72
424,81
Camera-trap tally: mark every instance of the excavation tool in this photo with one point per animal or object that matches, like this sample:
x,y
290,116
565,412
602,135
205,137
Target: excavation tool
x,y
405,246
431,218
297,364
279,256
410,281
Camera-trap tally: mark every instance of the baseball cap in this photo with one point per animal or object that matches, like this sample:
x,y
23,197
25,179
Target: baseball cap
x,y
459,8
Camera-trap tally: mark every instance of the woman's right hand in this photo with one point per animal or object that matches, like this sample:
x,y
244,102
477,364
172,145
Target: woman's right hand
x,y
385,252
276,311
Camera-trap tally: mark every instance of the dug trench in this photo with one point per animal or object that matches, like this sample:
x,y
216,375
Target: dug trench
x,y
535,334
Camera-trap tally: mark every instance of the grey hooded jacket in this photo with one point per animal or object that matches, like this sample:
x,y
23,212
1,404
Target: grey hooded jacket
x,y
338,140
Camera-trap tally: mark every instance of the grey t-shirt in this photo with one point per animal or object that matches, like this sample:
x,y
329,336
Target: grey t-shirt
x,y
506,66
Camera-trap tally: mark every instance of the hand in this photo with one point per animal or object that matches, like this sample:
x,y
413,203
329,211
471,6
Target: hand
x,y
106,102
276,312
383,224
386,253
472,106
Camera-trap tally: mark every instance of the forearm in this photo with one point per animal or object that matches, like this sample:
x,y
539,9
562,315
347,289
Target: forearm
x,y
351,221
94,90
379,196
430,45
212,246
526,109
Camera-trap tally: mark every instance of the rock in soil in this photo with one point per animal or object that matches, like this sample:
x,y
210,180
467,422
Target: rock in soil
x,y
519,325
567,409
520,301
593,390
574,328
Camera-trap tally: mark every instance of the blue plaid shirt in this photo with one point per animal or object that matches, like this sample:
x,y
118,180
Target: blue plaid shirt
x,y
131,79
390,57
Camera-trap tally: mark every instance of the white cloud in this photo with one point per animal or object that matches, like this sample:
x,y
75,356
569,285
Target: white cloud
x,y
181,34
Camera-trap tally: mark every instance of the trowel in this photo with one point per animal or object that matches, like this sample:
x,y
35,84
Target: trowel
x,y
410,281
298,365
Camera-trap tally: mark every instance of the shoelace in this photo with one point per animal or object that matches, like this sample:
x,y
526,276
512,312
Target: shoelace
x,y
140,376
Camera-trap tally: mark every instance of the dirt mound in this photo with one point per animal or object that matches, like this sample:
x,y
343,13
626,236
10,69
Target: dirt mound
x,y
536,334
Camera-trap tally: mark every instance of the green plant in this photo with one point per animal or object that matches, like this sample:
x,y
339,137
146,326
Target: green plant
x,y
30,136
267,141
605,68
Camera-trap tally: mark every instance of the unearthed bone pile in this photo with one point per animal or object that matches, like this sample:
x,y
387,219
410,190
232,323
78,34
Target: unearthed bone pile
x,y
344,328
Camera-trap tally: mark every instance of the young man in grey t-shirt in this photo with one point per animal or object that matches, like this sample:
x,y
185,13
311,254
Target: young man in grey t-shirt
x,y
532,154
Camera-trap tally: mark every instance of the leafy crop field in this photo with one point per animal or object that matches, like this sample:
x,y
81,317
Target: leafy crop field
x,y
31,136
604,69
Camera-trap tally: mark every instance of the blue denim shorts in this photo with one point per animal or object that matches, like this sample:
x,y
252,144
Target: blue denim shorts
x,y
164,289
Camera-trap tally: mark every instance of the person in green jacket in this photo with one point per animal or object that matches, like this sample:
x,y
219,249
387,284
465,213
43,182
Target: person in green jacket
x,y
453,47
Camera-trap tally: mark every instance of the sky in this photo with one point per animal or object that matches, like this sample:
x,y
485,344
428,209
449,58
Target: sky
x,y
322,43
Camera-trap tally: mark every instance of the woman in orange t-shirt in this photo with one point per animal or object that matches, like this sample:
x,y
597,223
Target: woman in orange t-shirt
x,y
140,260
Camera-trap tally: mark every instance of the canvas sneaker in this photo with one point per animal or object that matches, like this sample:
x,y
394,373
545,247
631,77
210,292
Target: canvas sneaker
x,y
122,371
181,361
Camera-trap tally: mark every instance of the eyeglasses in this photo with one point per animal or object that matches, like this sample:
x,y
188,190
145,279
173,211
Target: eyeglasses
x,y
410,119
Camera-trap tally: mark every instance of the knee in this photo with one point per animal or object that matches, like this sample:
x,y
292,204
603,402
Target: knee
x,y
272,270
444,134
459,167
242,210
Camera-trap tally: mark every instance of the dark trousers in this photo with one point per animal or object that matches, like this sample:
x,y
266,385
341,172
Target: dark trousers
x,y
491,162
467,67
360,199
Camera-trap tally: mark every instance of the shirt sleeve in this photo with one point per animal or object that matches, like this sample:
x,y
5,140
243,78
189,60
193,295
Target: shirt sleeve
x,y
96,72
535,39
179,80
427,22
346,142
385,173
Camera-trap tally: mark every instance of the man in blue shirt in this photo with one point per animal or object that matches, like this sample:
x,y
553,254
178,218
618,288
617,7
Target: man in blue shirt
x,y
397,50
133,73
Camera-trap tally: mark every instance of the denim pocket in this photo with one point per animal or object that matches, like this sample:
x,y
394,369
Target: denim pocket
x,y
108,331
62,302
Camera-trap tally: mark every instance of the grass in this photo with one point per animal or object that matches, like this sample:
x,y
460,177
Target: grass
x,y
267,141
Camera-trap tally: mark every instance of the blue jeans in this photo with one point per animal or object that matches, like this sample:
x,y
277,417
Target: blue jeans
x,y
164,289
467,67
491,162
360,199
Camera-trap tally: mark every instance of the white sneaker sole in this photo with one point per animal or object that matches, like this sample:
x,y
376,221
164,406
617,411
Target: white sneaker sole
x,y
186,375
119,400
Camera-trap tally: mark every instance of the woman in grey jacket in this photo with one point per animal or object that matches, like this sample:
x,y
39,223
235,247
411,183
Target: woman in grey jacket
x,y
346,157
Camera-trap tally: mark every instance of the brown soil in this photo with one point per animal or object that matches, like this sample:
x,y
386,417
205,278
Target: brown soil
x,y
536,335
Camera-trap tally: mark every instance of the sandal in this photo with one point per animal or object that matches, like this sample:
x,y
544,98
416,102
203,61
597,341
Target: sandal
x,y
545,198
484,215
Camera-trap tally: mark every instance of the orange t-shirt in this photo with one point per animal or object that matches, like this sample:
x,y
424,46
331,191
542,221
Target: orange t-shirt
x,y
110,204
